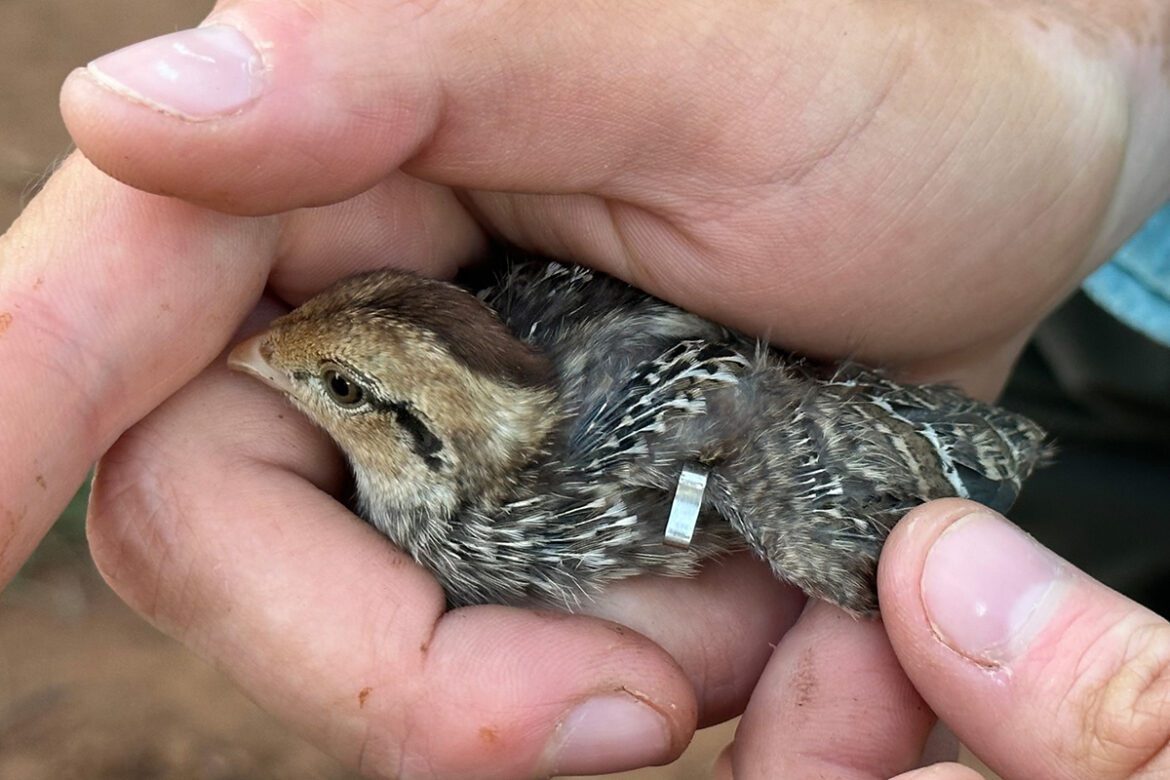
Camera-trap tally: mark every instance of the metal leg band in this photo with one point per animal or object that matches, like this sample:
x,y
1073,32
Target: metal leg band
x,y
684,512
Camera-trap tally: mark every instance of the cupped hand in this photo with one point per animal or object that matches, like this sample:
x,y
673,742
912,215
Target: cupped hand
x,y
907,183
1041,671
913,184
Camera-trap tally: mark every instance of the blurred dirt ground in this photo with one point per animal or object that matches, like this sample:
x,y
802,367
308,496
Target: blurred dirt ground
x,y
88,689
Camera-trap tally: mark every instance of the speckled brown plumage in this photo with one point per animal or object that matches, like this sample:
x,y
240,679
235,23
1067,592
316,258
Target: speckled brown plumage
x,y
524,444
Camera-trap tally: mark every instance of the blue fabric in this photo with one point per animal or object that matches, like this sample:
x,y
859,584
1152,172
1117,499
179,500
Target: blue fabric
x,y
1135,285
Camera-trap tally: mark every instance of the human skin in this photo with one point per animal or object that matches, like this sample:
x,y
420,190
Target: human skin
x,y
1064,680
915,184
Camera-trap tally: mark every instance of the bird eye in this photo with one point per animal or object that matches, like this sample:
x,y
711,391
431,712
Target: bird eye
x,y
342,390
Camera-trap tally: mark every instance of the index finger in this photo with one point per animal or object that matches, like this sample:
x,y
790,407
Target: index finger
x,y
833,702
110,300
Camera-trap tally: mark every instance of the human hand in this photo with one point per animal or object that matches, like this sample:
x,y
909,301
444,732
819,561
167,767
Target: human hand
x,y
1041,671
812,192
732,160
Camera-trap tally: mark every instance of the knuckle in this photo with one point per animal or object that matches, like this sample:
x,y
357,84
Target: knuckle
x,y
132,526
1127,714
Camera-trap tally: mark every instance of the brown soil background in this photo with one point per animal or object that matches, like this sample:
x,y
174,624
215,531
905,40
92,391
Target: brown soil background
x,y
88,689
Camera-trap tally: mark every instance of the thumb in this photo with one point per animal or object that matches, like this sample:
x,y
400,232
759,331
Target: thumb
x,y
251,112
1040,670
272,105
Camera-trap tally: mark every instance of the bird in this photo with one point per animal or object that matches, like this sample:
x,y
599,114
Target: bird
x,y
528,438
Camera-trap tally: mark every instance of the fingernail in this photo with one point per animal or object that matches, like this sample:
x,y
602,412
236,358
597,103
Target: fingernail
x,y
202,73
989,588
609,734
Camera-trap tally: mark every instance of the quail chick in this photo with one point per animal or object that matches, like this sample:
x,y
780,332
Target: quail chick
x,y
524,443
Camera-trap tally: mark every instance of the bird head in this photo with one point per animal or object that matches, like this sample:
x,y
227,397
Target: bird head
x,y
432,399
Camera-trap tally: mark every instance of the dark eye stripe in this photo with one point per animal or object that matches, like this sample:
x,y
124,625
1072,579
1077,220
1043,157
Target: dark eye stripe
x,y
425,444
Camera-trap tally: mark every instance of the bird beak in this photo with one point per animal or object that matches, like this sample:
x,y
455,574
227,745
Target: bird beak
x,y
251,357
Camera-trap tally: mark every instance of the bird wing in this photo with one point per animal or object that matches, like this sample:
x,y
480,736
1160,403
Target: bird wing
x,y
620,423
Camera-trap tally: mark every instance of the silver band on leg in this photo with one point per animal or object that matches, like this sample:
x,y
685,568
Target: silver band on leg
x,y
684,512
